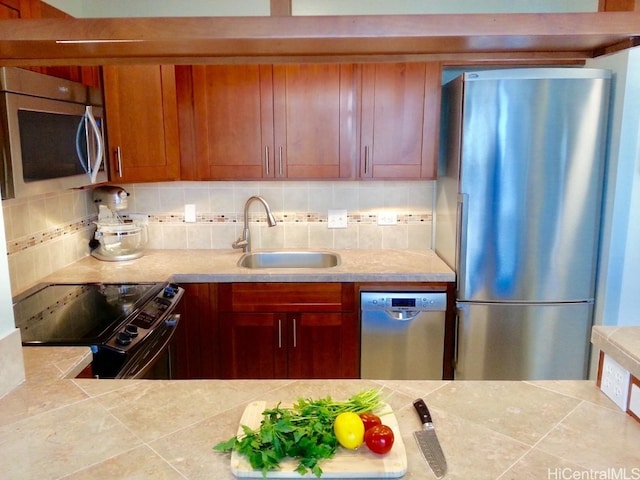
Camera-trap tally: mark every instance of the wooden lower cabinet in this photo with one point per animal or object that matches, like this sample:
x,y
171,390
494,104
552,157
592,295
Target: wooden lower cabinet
x,y
289,330
195,343
289,345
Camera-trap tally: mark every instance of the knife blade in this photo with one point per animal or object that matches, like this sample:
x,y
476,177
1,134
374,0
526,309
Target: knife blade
x,y
428,440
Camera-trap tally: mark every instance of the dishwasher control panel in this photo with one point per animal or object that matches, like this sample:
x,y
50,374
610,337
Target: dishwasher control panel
x,y
424,301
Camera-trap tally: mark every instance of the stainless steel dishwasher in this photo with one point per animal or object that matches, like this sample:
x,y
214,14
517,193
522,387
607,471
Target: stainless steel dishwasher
x,y
402,335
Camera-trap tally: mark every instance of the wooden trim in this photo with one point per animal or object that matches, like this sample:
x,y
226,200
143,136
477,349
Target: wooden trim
x,y
636,382
618,5
474,37
628,43
447,60
280,8
186,122
600,366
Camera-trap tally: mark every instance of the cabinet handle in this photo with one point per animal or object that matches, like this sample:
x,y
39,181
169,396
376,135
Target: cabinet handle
x,y
280,162
266,159
279,333
366,159
119,160
295,336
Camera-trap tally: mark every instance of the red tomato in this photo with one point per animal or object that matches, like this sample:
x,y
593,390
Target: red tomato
x,y
370,420
379,439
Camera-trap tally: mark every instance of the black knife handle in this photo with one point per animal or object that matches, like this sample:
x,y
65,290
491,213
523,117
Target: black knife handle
x,y
423,411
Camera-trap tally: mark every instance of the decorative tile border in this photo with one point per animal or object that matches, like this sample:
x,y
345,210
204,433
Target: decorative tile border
x,y
39,238
295,217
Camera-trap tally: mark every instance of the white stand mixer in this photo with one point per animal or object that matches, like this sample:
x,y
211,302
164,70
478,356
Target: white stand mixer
x,y
116,239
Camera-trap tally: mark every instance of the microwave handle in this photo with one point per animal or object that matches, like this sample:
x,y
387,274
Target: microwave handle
x,y
88,120
93,170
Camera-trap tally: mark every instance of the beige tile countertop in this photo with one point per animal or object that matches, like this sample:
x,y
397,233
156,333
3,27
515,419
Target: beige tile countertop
x,y
57,428
620,343
192,266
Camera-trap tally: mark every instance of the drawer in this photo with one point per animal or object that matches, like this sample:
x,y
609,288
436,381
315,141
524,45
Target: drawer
x,y
286,297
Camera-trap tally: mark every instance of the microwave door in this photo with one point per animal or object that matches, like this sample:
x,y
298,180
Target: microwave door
x,y
43,148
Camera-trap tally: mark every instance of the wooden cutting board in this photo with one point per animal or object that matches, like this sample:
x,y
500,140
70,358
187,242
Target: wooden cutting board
x,y
361,463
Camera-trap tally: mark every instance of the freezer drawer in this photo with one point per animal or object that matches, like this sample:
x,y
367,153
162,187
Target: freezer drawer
x,y
522,342
402,343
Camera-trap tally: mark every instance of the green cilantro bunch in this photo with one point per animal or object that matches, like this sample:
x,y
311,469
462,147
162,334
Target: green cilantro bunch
x,y
304,432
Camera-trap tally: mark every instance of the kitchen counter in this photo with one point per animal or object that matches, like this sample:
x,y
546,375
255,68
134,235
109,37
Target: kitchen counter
x,y
53,427
620,343
195,266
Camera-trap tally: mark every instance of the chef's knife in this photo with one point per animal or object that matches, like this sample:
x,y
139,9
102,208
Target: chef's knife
x,y
428,441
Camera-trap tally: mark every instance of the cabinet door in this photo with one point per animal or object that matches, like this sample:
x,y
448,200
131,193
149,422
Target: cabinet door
x,y
323,345
196,341
400,111
254,345
142,123
314,121
233,111
9,9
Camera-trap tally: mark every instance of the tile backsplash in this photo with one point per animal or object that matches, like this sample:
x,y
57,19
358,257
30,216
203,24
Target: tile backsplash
x,y
47,232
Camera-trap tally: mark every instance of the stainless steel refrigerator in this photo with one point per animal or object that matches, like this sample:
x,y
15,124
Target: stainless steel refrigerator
x,y
518,217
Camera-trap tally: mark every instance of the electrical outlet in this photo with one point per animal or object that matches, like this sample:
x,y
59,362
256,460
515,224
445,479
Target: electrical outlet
x,y
190,213
387,218
337,219
615,382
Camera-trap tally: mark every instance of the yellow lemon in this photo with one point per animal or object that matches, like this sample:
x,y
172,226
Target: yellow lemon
x,y
349,430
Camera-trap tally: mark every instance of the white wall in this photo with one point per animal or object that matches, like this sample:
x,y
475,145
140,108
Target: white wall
x,y
617,295
7,325
11,362
387,7
163,8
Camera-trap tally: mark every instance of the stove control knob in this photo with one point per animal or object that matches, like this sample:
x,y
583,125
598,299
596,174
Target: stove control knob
x,y
169,292
131,330
123,338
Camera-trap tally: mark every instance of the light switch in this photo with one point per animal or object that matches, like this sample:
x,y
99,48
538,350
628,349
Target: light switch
x,y
190,213
337,219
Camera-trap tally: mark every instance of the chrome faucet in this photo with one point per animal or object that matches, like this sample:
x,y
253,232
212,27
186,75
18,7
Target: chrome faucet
x,y
244,241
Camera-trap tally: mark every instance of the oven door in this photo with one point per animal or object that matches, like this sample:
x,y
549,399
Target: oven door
x,y
155,359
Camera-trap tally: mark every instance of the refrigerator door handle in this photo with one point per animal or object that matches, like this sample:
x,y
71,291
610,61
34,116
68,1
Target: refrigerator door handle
x,y
461,242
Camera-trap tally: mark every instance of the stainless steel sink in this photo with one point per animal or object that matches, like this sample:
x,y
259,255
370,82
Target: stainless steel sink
x,y
289,259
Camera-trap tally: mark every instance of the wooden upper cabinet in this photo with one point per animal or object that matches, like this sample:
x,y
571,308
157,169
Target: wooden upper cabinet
x,y
9,9
314,121
142,123
269,122
233,111
399,120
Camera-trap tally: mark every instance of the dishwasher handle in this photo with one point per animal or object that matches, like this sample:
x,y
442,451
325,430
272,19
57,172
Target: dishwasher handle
x,y
403,315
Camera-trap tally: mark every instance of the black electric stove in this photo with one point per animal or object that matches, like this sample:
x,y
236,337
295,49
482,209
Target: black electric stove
x,y
119,321
78,314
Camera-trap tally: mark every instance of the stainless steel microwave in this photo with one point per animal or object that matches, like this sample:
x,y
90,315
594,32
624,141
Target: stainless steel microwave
x,y
51,134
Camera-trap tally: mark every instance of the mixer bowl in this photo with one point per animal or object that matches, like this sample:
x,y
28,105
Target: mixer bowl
x,y
120,242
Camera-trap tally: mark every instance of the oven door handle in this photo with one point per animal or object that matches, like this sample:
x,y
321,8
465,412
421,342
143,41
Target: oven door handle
x,y
146,358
